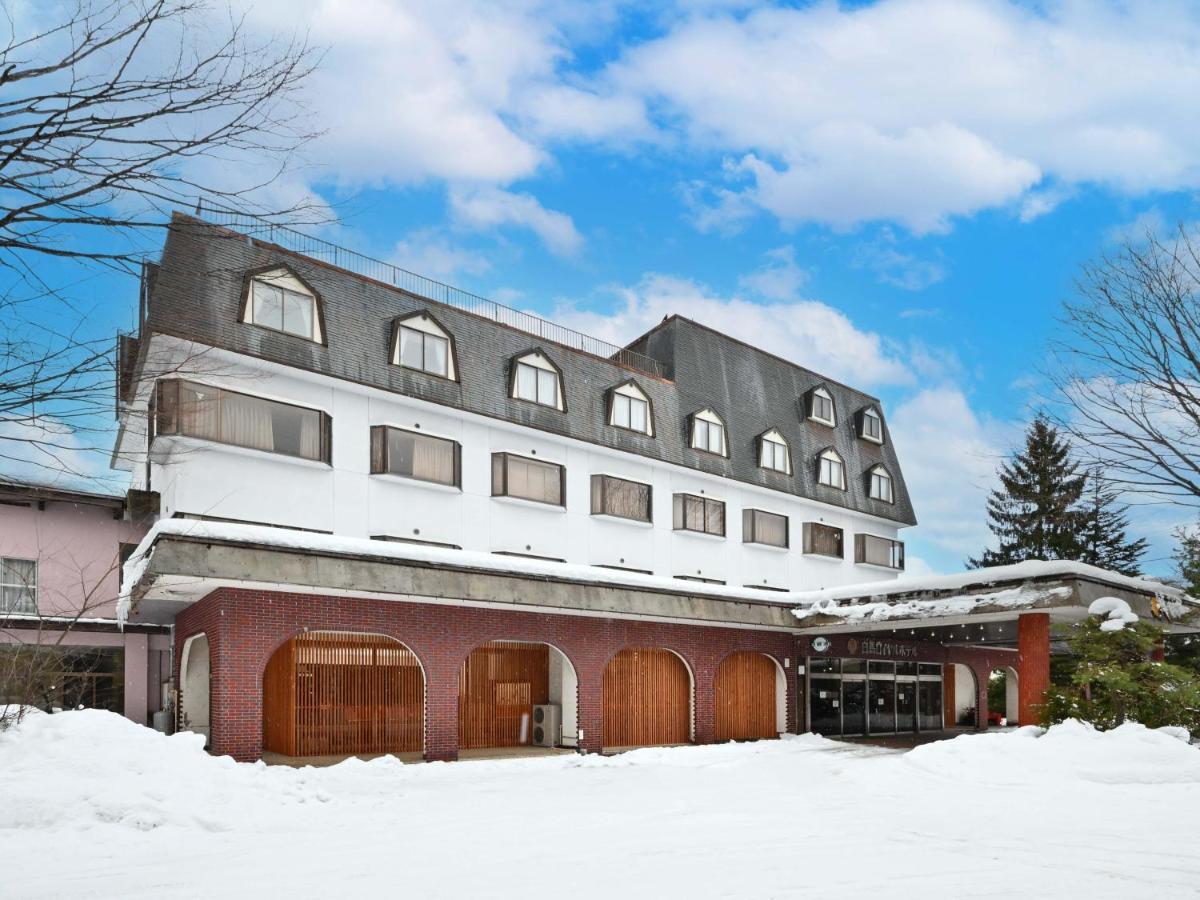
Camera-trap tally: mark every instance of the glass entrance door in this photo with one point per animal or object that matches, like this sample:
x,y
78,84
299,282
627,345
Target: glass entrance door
x,y
882,705
854,705
906,705
825,707
931,705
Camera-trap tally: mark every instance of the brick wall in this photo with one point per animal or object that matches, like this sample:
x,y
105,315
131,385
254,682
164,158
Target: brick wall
x,y
245,627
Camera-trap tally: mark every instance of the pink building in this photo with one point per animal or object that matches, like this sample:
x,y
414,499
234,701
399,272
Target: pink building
x,y
60,556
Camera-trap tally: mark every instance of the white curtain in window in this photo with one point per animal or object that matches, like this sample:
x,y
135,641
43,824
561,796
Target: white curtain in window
x,y
246,421
433,460
18,585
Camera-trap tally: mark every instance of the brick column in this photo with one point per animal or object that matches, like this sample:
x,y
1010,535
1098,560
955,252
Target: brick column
x,y
705,702
441,709
591,710
1033,664
949,720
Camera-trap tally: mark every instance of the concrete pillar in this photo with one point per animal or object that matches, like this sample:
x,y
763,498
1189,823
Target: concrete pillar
x,y
1033,663
137,668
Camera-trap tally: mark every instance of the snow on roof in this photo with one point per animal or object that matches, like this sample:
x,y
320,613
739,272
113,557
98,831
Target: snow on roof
x,y
960,604
1023,571
135,567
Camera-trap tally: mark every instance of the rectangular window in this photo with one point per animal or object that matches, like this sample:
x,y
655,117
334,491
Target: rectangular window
x,y
709,436
872,426
277,307
881,486
822,407
699,579
759,527
774,455
229,417
528,479
631,412
878,551
18,585
424,352
537,385
412,455
618,497
823,540
832,471
692,513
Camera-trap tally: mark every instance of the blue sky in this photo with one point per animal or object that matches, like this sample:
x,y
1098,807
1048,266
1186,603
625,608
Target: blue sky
x,y
897,194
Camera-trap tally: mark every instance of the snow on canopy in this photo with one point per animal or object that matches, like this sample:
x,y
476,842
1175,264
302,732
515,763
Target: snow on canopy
x,y
1116,612
958,605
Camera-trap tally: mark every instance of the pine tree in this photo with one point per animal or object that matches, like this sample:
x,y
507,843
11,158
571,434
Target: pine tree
x,y
1102,540
1035,512
1187,559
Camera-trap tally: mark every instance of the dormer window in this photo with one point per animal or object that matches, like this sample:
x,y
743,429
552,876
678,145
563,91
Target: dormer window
x,y
629,408
536,379
708,432
279,300
420,343
773,452
831,470
820,407
871,425
879,485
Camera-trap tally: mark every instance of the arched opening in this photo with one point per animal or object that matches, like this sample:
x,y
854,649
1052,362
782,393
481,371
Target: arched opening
x,y
194,672
965,699
343,693
750,697
1003,697
647,699
515,694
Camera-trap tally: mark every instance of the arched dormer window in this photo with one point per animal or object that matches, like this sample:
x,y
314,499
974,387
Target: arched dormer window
x,y
420,343
538,380
818,406
279,299
706,431
773,452
629,407
870,425
880,485
831,469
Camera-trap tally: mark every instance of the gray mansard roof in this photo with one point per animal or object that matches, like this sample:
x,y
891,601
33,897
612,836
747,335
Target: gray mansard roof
x,y
197,292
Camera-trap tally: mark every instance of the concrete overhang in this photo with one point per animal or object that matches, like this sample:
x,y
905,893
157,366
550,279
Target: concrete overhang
x,y
182,569
1065,597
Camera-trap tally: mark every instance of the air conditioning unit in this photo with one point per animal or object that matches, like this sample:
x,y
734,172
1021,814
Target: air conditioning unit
x,y
547,725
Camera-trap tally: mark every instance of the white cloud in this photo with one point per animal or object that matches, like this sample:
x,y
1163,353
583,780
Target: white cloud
x,y
780,277
808,332
893,266
428,252
486,208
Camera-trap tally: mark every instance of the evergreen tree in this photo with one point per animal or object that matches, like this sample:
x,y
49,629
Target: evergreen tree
x,y
1102,540
1187,559
1035,512
1114,681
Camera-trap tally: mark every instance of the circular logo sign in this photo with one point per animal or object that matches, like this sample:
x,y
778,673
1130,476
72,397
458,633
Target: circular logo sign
x,y
820,644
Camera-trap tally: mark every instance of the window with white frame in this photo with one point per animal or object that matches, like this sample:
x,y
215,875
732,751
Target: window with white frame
x,y
773,453
872,425
421,344
18,585
880,487
630,409
708,432
537,380
820,407
831,470
280,301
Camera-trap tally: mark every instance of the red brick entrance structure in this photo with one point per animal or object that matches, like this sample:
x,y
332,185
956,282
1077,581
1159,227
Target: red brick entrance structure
x,y
244,628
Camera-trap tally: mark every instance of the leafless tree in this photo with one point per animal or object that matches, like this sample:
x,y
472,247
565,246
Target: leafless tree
x,y
113,113
1128,367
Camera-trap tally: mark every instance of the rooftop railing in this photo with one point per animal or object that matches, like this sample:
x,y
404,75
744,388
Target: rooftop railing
x,y
378,270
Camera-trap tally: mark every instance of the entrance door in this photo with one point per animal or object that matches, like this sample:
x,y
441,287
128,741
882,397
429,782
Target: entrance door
x,y
906,705
825,706
882,705
854,706
930,693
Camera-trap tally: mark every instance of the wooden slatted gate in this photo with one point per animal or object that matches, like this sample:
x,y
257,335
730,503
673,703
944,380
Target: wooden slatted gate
x,y
498,686
328,693
647,699
744,692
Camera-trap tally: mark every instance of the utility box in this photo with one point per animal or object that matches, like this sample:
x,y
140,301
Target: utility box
x,y
547,725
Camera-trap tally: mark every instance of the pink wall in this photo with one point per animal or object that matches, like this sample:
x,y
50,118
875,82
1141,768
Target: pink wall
x,y
76,546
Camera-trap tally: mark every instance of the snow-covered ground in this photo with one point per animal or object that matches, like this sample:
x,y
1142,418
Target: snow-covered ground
x,y
93,806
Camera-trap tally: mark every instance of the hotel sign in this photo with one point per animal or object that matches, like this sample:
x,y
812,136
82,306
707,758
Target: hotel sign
x,y
886,649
